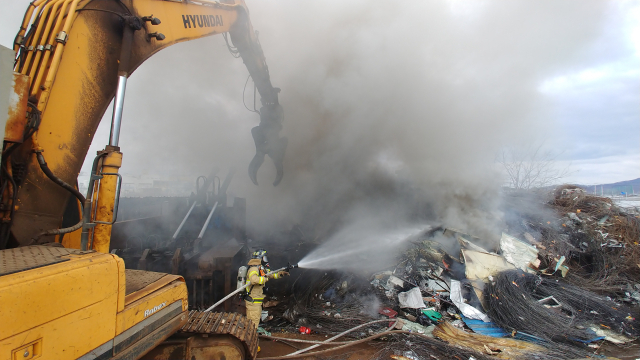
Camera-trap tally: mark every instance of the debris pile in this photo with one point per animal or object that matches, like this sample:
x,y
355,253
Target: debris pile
x,y
603,239
563,311
542,291
590,235
332,304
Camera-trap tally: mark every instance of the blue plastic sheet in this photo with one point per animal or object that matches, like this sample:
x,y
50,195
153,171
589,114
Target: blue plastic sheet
x,y
493,330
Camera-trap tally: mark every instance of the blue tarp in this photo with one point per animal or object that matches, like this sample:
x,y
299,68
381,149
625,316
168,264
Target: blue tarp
x,y
493,330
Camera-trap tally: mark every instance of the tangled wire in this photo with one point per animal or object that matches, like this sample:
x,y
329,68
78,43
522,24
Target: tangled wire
x,y
330,304
513,303
610,234
423,348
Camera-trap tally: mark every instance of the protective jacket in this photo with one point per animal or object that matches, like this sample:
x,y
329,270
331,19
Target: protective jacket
x,y
256,278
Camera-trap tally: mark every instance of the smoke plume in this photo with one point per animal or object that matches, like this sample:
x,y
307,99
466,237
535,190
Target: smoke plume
x,y
397,106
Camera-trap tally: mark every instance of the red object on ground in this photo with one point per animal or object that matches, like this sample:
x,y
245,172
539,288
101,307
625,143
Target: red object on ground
x,y
388,312
305,330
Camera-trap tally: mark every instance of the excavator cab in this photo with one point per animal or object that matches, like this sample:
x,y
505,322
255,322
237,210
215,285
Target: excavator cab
x,y
58,303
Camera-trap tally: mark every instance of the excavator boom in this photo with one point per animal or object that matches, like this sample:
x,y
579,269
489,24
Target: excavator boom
x,y
78,55
78,301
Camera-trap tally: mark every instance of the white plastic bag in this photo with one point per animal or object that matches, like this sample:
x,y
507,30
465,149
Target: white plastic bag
x,y
411,299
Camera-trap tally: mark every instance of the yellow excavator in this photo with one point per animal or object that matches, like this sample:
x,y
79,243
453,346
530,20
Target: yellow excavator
x,y
63,295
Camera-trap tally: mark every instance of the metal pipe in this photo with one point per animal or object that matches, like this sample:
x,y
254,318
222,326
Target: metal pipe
x,y
118,106
55,29
33,41
175,236
26,20
57,54
44,41
206,223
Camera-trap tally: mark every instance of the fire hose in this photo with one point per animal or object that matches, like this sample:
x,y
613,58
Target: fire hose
x,y
317,343
277,338
351,343
340,335
286,268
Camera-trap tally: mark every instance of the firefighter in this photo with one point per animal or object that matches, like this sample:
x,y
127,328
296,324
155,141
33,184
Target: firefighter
x,y
257,278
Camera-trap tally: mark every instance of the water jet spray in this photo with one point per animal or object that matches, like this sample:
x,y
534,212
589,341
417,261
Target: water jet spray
x,y
361,246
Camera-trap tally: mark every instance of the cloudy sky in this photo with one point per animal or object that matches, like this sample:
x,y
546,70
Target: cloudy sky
x,y
429,91
596,104
590,99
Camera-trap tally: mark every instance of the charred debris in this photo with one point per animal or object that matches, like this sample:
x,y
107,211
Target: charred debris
x,y
563,281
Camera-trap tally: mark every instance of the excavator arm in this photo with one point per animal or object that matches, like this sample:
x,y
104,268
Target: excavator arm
x,y
78,55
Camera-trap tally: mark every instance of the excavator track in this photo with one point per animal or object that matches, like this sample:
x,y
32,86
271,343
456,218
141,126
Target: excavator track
x,y
229,324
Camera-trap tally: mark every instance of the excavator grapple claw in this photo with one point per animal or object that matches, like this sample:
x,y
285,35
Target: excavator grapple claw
x,y
268,142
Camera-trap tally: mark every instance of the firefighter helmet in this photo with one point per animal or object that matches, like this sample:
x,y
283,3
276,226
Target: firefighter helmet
x,y
262,255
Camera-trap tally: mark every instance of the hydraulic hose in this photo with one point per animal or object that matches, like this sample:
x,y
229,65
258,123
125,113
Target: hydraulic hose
x,y
45,169
57,180
60,231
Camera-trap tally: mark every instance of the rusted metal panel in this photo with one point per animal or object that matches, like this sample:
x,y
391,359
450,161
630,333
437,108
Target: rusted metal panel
x,y
17,110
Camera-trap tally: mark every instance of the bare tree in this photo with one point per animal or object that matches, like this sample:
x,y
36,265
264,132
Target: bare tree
x,y
531,167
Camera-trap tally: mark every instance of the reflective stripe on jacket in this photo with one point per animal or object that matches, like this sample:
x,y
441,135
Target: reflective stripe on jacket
x,y
255,281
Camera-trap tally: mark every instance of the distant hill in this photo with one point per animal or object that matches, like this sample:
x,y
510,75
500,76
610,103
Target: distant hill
x,y
628,186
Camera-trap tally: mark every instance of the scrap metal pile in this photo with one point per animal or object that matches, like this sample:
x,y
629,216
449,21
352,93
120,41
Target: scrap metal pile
x,y
558,285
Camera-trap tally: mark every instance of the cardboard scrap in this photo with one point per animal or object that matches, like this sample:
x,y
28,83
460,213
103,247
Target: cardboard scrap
x,y
479,265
